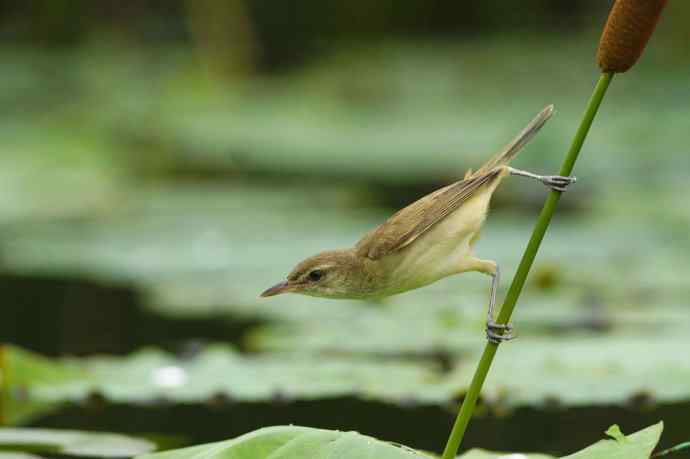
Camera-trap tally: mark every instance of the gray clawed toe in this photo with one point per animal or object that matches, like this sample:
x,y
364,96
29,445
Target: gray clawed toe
x,y
558,182
499,333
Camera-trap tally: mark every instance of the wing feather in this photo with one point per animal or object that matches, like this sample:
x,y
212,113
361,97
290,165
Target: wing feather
x,y
416,219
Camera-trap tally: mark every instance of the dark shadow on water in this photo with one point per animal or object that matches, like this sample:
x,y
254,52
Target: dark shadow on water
x,y
65,316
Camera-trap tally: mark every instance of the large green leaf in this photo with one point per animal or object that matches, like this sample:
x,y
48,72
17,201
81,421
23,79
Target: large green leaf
x,y
293,442
635,446
73,443
484,454
638,445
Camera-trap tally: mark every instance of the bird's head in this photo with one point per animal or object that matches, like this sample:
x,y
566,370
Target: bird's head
x,y
332,274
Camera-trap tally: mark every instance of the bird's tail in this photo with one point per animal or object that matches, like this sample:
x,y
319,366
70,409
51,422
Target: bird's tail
x,y
509,151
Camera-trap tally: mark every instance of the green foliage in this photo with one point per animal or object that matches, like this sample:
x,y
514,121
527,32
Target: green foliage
x,y
588,371
19,371
220,371
571,371
208,251
72,443
293,442
95,194
414,114
483,454
17,455
615,432
675,449
22,368
638,445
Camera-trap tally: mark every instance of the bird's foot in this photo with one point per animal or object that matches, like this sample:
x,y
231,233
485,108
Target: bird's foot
x,y
497,333
558,182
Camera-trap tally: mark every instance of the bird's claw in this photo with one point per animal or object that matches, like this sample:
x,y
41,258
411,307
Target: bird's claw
x,y
498,333
558,182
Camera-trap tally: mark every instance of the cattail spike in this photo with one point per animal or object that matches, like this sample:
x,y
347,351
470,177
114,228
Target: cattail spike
x,y
629,27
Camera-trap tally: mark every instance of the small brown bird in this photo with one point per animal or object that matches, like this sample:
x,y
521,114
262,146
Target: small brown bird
x,y
428,240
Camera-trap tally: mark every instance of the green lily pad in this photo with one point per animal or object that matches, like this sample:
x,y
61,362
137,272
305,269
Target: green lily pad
x,y
161,235
414,113
587,371
17,455
575,372
44,176
73,443
400,119
219,371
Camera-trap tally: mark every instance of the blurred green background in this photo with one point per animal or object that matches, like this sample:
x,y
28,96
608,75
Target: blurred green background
x,y
163,162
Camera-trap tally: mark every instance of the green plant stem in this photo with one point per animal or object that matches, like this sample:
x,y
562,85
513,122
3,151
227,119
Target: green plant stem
x,y
675,449
513,294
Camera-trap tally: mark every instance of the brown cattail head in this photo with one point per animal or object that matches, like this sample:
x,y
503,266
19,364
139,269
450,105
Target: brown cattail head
x,y
629,27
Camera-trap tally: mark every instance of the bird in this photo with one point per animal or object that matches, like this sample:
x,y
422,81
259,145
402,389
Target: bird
x,y
430,239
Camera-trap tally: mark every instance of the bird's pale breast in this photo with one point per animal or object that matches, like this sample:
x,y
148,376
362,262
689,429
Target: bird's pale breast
x,y
444,250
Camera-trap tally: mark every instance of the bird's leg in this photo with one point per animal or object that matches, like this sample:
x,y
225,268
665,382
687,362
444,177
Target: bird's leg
x,y
555,182
495,332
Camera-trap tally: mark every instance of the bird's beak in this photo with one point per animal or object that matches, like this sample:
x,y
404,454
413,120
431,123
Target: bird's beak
x,y
281,287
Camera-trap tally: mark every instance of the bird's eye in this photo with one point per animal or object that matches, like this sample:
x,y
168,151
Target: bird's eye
x,y
315,275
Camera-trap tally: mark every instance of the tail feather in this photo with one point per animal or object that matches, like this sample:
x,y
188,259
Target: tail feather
x,y
511,149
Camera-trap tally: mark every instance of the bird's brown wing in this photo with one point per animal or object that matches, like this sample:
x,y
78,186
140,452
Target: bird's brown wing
x,y
416,219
